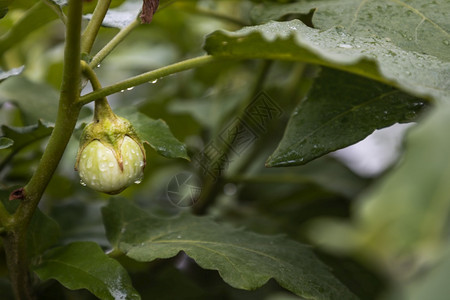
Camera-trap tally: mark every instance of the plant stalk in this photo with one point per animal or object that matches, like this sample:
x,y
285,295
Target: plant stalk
x,y
112,44
102,108
15,241
91,31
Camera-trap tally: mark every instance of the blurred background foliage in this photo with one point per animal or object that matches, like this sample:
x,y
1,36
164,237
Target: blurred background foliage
x,y
197,105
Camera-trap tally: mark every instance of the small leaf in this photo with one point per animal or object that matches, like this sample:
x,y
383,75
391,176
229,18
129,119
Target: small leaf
x,y
83,265
5,143
340,110
23,136
10,73
244,259
156,133
376,58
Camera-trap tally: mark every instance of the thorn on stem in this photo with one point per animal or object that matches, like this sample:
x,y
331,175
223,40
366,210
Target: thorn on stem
x,y
18,194
149,8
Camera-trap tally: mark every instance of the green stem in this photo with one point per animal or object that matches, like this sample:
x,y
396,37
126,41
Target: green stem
x,y
90,74
102,108
118,38
91,31
147,77
15,240
112,44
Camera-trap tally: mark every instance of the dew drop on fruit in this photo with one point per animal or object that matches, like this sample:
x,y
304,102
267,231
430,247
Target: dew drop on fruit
x,y
138,181
82,183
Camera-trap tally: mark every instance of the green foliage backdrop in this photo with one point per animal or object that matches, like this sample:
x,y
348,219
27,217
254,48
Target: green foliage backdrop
x,y
239,105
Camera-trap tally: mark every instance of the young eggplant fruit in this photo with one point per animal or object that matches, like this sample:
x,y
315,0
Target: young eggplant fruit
x,y
111,156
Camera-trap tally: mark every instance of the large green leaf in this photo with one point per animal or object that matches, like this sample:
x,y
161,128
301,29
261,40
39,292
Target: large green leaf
x,y
376,58
156,133
406,215
244,259
415,25
23,136
36,100
340,110
84,265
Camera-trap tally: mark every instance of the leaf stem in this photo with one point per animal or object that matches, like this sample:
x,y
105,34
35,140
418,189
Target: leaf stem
x,y
91,31
112,44
102,108
147,77
118,38
15,239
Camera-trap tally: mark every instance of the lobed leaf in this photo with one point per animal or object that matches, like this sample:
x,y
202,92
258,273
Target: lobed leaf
x,y
244,259
84,265
340,110
372,57
414,25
